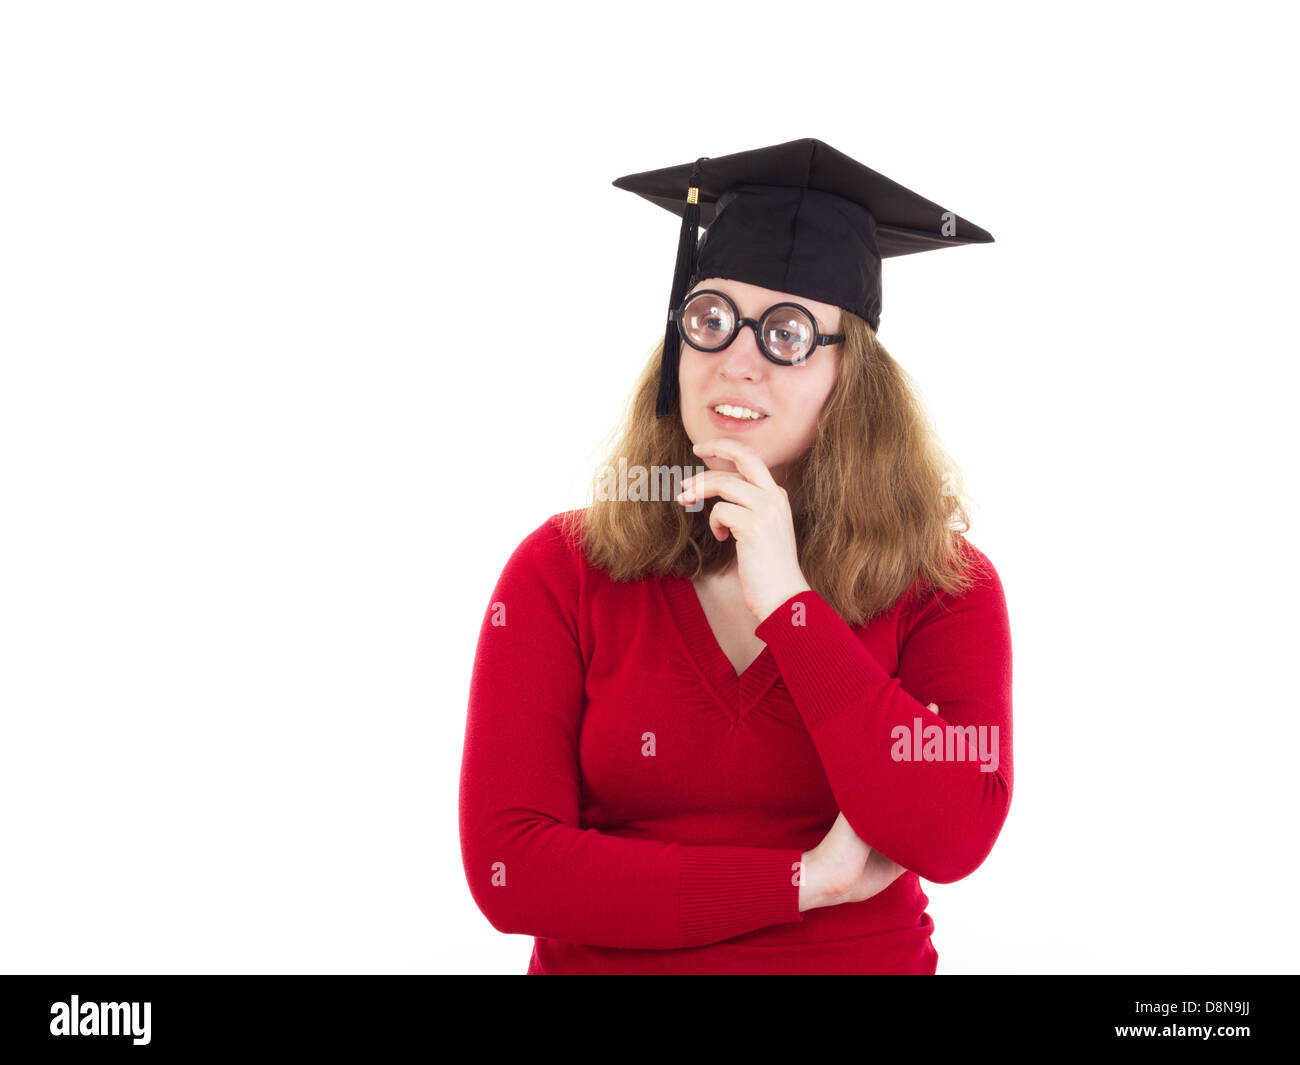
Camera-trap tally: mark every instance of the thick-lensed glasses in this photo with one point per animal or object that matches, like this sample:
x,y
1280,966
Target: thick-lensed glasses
x,y
787,333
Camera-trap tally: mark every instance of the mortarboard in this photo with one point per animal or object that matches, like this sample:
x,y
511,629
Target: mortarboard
x,y
798,217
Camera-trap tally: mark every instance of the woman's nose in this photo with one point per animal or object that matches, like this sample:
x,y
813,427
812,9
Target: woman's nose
x,y
742,355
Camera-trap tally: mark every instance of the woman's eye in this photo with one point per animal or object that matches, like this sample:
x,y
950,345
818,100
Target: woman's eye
x,y
713,323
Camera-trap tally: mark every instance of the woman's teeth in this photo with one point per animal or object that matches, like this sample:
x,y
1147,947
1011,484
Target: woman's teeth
x,y
738,412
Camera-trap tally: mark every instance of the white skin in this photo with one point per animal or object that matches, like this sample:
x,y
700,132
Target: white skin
x,y
747,472
793,396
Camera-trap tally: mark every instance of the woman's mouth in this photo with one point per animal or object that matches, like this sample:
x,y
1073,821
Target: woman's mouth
x,y
731,416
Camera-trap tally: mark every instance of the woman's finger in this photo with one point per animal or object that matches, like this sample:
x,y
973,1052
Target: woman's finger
x,y
730,486
728,519
746,460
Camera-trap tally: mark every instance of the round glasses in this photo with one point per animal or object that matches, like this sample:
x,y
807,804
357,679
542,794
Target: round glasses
x,y
787,333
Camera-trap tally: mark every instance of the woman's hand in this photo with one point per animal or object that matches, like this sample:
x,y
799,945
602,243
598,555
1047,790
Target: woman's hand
x,y
756,511
842,868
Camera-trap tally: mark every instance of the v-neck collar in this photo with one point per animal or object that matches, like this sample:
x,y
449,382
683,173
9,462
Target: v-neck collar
x,y
736,692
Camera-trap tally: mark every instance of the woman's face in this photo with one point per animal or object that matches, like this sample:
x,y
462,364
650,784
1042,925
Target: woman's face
x,y
790,397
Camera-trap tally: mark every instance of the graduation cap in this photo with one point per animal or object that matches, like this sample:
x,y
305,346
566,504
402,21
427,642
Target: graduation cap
x,y
798,217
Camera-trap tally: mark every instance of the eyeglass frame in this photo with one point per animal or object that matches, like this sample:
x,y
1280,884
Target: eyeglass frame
x,y
819,339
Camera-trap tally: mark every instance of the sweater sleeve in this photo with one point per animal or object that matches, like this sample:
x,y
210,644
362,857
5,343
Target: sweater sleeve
x,y
938,814
531,867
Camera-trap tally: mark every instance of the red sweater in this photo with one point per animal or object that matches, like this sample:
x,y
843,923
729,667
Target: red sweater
x,y
637,807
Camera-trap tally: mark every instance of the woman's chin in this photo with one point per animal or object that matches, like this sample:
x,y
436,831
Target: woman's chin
x,y
716,462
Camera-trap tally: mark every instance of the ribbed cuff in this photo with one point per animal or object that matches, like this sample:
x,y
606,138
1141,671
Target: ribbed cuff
x,y
727,891
821,659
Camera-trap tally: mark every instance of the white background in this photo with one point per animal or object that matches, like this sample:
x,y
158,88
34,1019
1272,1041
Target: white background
x,y
285,292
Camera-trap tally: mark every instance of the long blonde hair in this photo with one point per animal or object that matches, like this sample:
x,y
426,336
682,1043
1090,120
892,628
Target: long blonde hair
x,y
875,500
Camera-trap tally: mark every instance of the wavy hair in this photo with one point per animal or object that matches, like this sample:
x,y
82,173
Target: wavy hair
x,y
875,500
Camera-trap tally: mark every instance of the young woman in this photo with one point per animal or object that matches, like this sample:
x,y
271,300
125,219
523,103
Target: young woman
x,y
731,731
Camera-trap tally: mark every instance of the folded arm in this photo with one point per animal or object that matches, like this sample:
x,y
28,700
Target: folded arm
x,y
935,806
531,868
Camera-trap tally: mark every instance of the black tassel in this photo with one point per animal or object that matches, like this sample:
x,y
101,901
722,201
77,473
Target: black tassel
x,y
686,249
